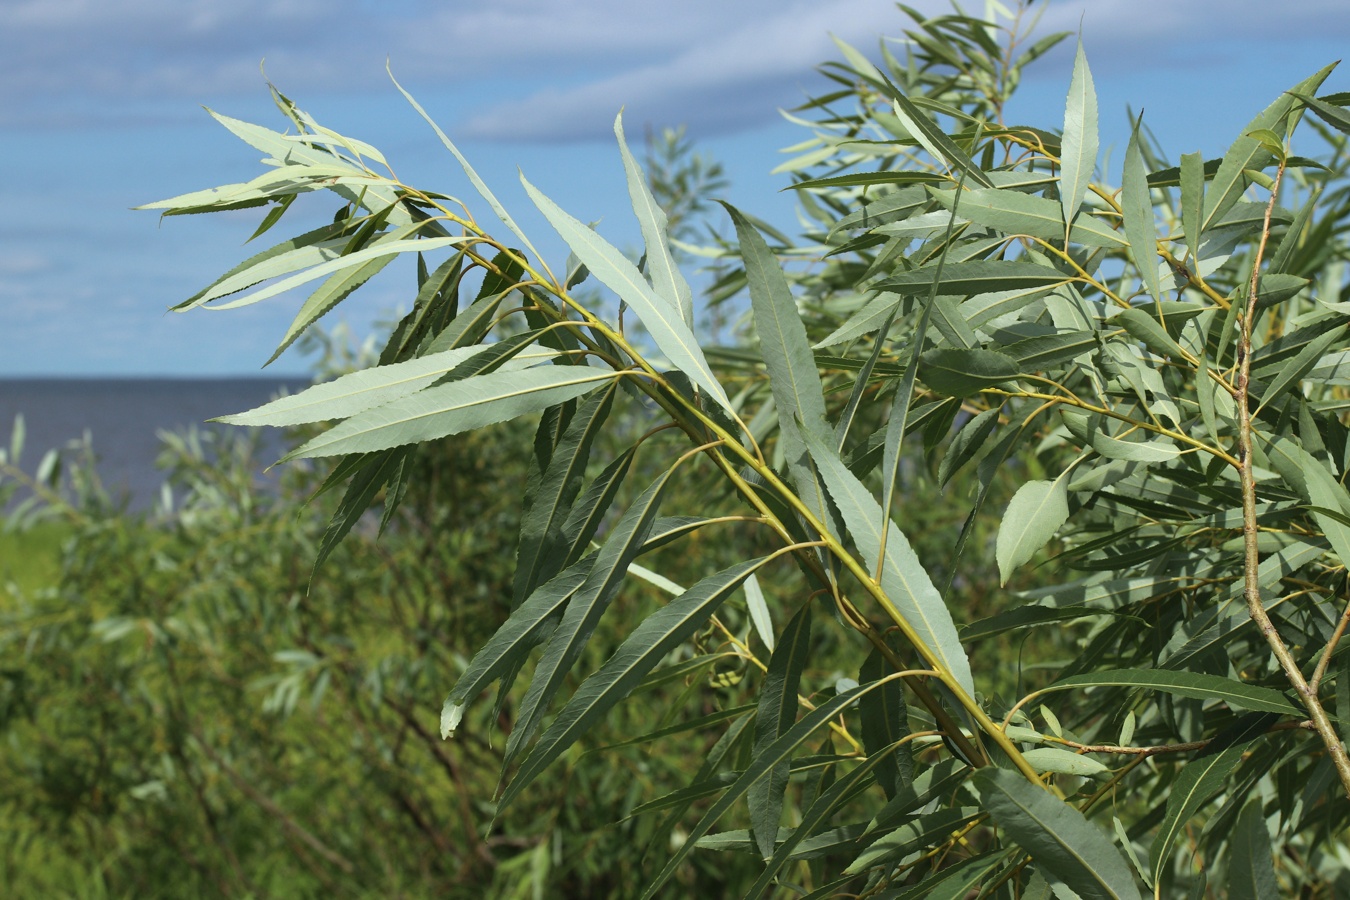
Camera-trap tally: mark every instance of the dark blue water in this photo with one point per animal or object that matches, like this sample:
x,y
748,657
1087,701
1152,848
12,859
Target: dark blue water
x,y
124,415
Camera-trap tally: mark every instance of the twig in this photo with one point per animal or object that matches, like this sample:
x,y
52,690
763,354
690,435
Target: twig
x,y
1251,551
1316,680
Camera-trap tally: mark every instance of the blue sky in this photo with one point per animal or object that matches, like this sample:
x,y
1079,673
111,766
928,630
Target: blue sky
x,y
100,110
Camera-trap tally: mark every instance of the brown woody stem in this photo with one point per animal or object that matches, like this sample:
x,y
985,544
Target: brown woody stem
x,y
1307,693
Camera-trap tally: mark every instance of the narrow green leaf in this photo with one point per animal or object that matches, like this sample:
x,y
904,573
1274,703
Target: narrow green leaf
x,y
1034,514
459,406
543,547
662,320
373,252
1247,153
1251,867
1136,203
641,652
1201,779
956,882
793,376
1015,213
308,249
1333,115
528,624
783,748
478,183
776,713
376,471
1185,684
871,317
967,442
1314,483
1078,147
1292,373
1057,836
971,278
885,722
1029,617
938,145
1146,329
584,611
916,834
353,393
1035,354
666,278
758,607
816,815
333,291
962,373
902,576
1192,200
590,510
1063,762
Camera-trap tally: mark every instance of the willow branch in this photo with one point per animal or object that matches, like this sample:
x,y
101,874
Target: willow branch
x,y
1307,693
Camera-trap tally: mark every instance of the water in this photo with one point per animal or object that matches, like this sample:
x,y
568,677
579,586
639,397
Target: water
x,y
123,415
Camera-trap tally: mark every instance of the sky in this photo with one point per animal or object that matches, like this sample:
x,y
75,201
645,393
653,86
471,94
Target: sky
x,y
101,110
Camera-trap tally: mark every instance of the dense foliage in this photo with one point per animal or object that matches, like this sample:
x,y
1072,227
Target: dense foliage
x,y
846,698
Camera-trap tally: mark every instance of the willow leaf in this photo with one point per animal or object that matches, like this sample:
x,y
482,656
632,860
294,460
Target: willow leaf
x,y
584,611
662,320
1185,684
1141,325
1136,203
458,406
938,145
666,278
903,578
759,766
885,725
1057,836
873,316
1315,484
775,714
979,277
1251,868
1193,200
1201,779
543,546
349,260
1230,181
816,815
1015,213
1034,514
962,373
310,249
916,834
641,652
355,392
1078,148
528,624
477,182
793,376
758,607
588,512
967,442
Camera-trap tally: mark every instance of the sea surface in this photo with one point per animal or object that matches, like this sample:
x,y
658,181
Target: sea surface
x,y
123,417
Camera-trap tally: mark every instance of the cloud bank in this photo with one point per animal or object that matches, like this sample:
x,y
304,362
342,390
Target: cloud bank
x,y
533,70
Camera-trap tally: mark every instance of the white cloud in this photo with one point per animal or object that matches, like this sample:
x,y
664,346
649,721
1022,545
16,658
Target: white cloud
x,y
536,69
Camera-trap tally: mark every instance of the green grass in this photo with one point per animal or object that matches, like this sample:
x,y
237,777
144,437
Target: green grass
x,y
31,559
